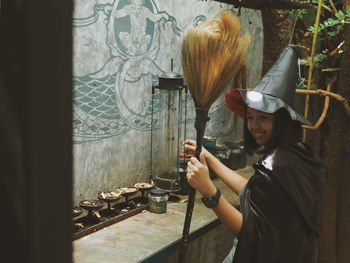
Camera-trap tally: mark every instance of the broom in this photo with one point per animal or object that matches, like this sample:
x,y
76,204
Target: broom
x,y
211,55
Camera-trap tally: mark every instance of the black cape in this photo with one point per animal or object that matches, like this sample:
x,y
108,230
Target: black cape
x,y
280,206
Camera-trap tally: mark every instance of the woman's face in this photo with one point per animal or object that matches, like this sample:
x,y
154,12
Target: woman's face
x,y
260,125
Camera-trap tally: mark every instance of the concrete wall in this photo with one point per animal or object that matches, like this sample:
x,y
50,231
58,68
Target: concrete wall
x,y
212,247
120,49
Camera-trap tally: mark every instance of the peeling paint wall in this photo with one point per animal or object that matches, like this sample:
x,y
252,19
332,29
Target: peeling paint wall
x,y
120,49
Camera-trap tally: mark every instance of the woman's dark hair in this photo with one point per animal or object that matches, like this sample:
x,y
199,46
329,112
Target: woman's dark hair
x,y
285,130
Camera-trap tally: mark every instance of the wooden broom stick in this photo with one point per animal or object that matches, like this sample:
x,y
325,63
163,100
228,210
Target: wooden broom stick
x,y
212,54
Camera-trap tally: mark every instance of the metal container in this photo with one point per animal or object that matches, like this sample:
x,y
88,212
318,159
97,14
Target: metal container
x,y
243,160
237,157
234,161
222,152
209,143
157,201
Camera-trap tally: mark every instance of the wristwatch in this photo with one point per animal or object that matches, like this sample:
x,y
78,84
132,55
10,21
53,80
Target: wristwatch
x,y
212,201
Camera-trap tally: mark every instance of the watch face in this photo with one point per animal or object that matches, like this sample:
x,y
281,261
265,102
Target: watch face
x,y
211,202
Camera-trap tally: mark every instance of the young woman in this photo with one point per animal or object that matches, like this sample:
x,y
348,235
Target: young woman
x,y
279,204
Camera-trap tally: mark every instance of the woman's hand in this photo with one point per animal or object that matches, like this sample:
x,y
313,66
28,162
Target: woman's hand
x,y
190,148
198,176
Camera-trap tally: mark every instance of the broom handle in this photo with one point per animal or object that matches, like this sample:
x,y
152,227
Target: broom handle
x,y
201,119
187,224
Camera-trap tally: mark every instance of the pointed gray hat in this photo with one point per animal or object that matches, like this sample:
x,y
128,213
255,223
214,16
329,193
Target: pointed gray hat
x,y
276,89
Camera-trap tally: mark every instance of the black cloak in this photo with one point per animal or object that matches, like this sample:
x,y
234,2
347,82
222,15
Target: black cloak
x,y
280,206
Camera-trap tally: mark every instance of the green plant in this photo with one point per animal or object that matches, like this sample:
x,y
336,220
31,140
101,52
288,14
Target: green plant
x,y
329,35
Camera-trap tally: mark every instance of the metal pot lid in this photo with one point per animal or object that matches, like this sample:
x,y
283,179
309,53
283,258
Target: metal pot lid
x,y
158,192
171,75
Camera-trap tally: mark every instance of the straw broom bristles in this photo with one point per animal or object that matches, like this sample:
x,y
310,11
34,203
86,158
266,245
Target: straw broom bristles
x,y
212,54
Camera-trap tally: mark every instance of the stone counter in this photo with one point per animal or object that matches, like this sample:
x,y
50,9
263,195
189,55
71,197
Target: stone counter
x,y
146,237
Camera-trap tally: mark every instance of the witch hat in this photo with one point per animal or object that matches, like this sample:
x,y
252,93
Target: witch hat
x,y
276,89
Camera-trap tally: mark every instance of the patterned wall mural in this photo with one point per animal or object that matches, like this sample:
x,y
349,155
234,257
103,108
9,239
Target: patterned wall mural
x,y
120,49
117,97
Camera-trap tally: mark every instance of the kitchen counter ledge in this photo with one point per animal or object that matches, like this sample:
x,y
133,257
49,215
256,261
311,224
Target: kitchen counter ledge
x,y
148,237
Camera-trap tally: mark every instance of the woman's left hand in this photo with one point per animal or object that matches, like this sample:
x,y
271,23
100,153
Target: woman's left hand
x,y
198,176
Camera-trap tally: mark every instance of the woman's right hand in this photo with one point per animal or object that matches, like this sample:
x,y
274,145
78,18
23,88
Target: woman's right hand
x,y
198,176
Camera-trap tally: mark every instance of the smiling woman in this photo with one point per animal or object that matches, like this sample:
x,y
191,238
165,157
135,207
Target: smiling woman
x,y
260,125
271,130
279,204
